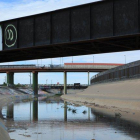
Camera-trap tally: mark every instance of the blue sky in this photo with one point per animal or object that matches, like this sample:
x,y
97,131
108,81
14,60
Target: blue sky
x,y
17,8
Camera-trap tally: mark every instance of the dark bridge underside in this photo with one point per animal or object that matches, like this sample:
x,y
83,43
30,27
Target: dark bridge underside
x,y
100,27
126,43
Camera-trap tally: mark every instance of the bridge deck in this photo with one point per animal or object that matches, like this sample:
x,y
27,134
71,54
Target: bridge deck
x,y
69,67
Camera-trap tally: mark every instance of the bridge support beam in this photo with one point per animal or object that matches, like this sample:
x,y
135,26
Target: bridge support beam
x,y
10,78
35,82
65,82
88,79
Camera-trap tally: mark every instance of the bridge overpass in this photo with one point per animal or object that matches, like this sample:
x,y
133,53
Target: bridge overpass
x,y
98,27
67,67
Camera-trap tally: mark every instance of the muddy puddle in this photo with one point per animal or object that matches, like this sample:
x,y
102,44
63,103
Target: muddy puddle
x,y
50,119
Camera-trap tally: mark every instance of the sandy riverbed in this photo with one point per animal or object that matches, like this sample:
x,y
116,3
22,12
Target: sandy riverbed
x,y
121,99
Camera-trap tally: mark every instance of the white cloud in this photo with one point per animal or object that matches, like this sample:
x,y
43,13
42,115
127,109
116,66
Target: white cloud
x,y
9,10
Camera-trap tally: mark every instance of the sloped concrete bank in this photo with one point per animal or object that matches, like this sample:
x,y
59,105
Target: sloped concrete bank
x,y
120,99
4,99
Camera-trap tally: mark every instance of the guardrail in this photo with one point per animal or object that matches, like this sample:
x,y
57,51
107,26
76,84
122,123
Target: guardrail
x,y
131,70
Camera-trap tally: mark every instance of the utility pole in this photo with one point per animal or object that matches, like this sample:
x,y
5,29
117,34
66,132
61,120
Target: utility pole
x,y
125,58
51,61
30,79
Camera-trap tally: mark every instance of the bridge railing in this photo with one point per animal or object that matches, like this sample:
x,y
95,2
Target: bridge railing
x,y
59,66
61,85
49,66
16,66
131,70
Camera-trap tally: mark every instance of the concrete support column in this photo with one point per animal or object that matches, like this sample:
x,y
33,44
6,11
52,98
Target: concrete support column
x,y
88,79
10,78
65,82
35,83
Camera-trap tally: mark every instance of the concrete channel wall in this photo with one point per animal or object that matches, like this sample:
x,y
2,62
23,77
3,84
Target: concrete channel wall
x,y
128,71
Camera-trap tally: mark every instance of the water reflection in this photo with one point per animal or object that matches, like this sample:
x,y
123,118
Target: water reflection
x,y
129,128
35,110
54,119
10,111
88,113
65,111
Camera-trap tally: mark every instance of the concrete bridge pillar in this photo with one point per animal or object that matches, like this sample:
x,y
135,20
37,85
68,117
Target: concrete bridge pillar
x,y
35,82
88,79
65,82
10,78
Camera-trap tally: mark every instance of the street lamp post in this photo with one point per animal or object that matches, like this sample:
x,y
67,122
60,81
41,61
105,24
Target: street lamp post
x,y
93,59
30,79
125,58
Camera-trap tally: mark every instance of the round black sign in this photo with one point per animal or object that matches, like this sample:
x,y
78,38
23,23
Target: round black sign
x,y
10,35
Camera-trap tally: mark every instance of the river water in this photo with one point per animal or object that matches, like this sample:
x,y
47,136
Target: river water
x,y
51,119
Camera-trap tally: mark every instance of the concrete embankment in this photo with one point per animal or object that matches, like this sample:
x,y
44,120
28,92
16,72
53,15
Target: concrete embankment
x,y
117,99
4,99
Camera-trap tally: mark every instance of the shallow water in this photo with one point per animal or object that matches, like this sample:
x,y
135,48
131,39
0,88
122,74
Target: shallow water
x,y
57,120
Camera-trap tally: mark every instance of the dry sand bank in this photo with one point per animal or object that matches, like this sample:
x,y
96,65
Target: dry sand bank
x,y
117,99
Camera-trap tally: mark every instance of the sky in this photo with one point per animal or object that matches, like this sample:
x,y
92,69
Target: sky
x,y
10,9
